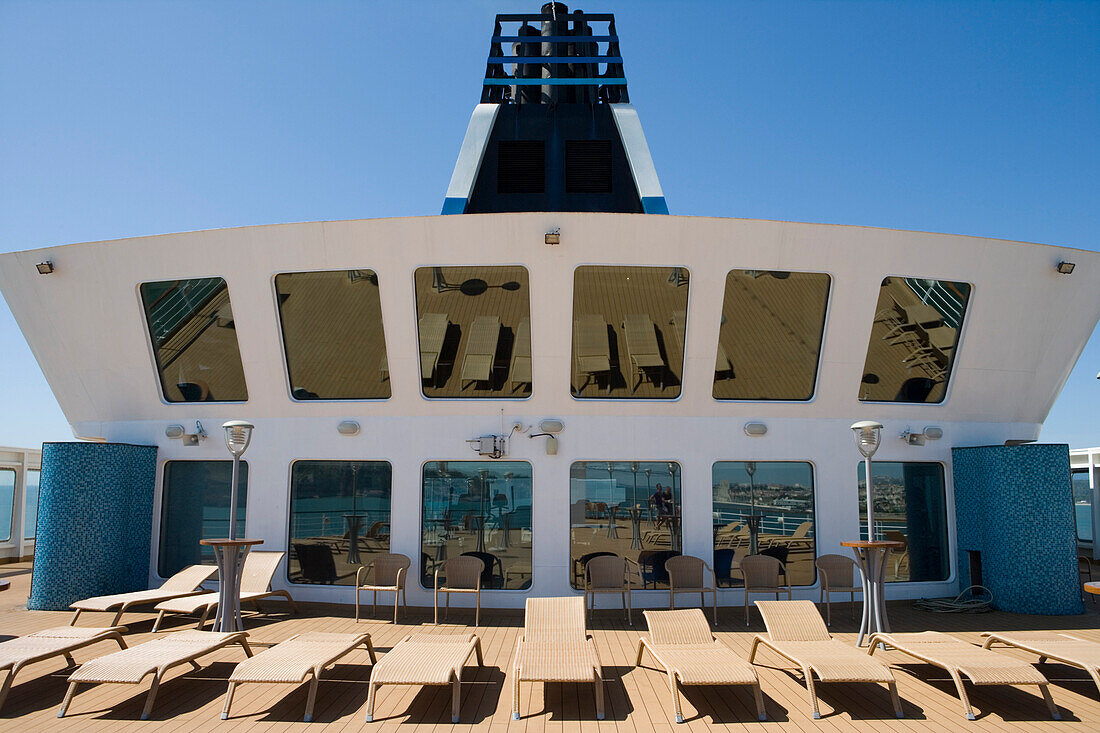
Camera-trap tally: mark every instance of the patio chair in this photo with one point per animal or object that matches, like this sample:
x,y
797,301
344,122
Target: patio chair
x,y
591,350
56,642
580,563
315,562
301,657
461,574
690,655
184,583
259,568
643,351
1064,648
391,570
555,647
799,540
797,633
957,658
837,576
685,575
520,371
607,574
761,574
651,566
131,666
425,659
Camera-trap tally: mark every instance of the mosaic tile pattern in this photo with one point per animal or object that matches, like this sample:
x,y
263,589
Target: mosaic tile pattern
x,y
95,511
1014,505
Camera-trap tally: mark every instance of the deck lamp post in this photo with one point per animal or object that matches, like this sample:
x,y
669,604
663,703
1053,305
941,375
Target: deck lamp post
x,y
230,553
754,521
871,554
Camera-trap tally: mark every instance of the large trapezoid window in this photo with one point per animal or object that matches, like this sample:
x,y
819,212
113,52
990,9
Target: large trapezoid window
x,y
332,335
913,340
194,340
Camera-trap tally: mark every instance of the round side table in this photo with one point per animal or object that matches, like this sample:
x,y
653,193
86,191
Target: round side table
x,y
1093,587
229,555
871,558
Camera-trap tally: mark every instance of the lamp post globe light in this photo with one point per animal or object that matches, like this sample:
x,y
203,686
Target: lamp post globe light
x,y
238,434
868,434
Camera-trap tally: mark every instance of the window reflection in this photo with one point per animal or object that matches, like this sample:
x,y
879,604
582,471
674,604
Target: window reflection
x,y
913,340
332,335
628,331
30,522
195,506
911,508
629,509
770,337
481,509
194,340
767,508
339,519
474,331
1082,504
7,502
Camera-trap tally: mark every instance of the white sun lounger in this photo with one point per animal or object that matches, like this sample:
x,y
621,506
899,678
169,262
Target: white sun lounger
x,y
58,641
426,659
184,583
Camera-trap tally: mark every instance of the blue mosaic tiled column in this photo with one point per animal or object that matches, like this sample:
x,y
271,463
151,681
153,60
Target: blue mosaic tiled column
x,y
95,510
1014,505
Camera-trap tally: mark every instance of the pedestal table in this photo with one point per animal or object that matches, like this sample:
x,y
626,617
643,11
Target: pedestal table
x,y
871,558
229,556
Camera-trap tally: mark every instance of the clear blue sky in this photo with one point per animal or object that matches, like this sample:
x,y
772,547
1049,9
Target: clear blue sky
x,y
120,119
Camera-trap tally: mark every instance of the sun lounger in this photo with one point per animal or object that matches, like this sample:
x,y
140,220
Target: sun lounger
x,y
797,633
433,332
426,659
641,346
520,371
957,658
184,583
58,641
259,569
130,666
555,647
481,350
681,642
592,350
301,657
1064,648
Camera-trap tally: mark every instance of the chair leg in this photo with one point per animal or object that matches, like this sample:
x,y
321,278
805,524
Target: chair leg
x,y
202,619
761,711
515,693
396,597
599,696
828,610
638,656
374,603
357,604
118,616
156,624
435,605
228,700
629,609
1045,689
8,677
372,687
714,598
896,700
477,611
456,698
813,693
151,698
675,697
72,621
746,607
967,710
68,699
312,697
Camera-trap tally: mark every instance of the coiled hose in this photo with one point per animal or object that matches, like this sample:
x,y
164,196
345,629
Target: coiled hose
x,y
960,604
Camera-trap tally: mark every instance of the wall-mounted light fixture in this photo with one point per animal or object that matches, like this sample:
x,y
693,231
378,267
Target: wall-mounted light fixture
x,y
549,429
868,435
348,427
755,429
1064,268
238,434
933,433
912,438
553,236
174,431
44,268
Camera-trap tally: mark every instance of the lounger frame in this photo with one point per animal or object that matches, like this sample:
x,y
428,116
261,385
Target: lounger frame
x,y
11,668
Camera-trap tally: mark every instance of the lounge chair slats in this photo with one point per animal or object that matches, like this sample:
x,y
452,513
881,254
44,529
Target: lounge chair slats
x,y
184,583
426,659
981,666
295,660
58,641
1065,648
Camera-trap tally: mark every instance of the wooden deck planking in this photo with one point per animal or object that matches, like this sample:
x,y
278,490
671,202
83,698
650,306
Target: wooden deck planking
x,y
637,699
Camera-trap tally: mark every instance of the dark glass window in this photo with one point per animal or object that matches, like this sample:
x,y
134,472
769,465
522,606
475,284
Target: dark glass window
x,y
521,166
339,519
1082,504
474,328
630,509
911,508
7,502
628,331
780,494
332,335
482,509
30,523
913,340
588,166
195,506
194,340
769,342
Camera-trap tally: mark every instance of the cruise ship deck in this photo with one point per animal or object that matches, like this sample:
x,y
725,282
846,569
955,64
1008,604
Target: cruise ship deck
x,y
637,697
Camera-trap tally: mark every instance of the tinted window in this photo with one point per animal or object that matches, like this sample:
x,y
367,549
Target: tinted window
x,y
482,509
911,508
332,334
780,494
769,342
913,340
194,340
474,326
628,331
1082,504
7,502
339,519
195,506
30,523
629,509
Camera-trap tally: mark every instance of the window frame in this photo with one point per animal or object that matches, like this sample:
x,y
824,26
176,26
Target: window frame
x,y
1084,470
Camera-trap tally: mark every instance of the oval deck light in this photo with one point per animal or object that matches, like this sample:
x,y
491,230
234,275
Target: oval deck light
x,y
348,427
755,429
